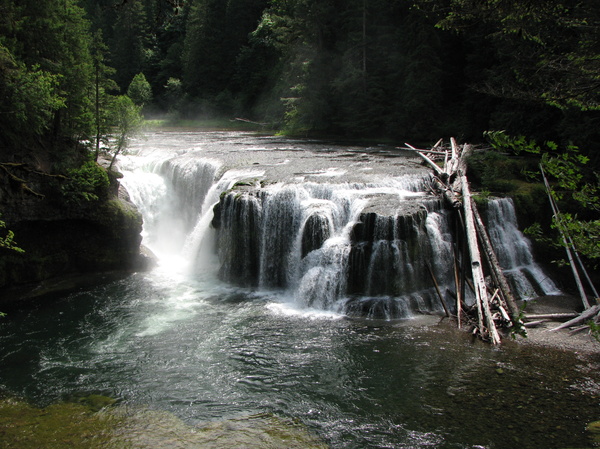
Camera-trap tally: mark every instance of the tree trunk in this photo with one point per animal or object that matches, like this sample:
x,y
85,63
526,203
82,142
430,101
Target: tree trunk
x,y
485,315
496,269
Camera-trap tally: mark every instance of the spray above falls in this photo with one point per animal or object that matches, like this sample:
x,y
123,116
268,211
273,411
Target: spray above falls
x,y
349,230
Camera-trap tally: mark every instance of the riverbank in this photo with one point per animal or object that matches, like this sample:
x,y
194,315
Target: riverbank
x,y
542,335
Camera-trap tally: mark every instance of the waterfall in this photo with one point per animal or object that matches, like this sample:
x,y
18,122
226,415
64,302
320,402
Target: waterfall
x,y
391,259
356,248
193,247
175,196
513,249
170,193
320,245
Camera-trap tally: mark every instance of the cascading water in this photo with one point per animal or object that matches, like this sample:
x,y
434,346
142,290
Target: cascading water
x,y
302,239
176,196
194,245
170,194
397,256
527,279
357,248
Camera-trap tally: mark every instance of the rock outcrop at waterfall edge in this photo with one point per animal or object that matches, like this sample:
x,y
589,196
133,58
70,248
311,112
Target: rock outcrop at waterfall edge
x,y
66,245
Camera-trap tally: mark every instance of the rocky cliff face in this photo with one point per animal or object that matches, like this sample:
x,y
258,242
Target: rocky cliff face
x,y
65,244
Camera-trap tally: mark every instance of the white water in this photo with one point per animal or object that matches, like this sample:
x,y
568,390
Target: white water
x,y
526,277
297,241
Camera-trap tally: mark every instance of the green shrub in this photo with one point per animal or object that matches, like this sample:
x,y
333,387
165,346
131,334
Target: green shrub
x,y
489,169
7,239
87,183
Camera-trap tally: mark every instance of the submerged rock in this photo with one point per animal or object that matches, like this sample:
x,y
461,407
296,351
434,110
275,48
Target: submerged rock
x,y
94,423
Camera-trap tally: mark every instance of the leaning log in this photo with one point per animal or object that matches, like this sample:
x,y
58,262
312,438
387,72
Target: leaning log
x,y
496,269
534,323
437,289
436,167
451,182
583,296
486,321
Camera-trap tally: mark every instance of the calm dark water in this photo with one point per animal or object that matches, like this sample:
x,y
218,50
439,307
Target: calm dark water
x,y
206,352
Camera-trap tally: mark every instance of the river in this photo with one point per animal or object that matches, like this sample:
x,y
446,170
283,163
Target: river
x,y
203,350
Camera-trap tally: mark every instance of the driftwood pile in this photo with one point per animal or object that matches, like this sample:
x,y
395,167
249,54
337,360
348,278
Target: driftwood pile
x,y
495,312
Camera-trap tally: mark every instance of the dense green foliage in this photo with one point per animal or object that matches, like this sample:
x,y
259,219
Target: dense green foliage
x,y
139,90
127,120
545,49
393,69
38,77
575,188
55,82
86,183
7,240
396,69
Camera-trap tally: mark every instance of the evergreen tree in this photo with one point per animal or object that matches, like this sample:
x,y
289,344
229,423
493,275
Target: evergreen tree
x,y
48,44
205,49
30,98
417,98
131,40
551,46
103,85
216,35
139,90
259,66
166,57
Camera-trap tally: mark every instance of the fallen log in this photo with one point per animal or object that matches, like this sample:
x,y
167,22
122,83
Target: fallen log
x,y
453,165
585,315
432,164
534,323
579,329
582,294
458,292
486,315
450,196
434,152
550,316
239,119
437,289
496,269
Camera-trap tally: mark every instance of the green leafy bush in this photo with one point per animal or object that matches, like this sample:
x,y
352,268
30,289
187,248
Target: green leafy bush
x,y
494,171
87,183
139,90
572,183
7,239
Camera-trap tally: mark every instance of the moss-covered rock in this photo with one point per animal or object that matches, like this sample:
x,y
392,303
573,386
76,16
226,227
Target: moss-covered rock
x,y
84,425
64,425
593,429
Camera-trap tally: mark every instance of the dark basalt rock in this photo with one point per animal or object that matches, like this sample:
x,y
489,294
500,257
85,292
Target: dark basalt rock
x,y
388,254
239,217
317,229
65,244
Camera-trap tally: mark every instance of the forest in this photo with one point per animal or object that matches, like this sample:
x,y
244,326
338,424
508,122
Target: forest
x,y
380,70
361,68
365,68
